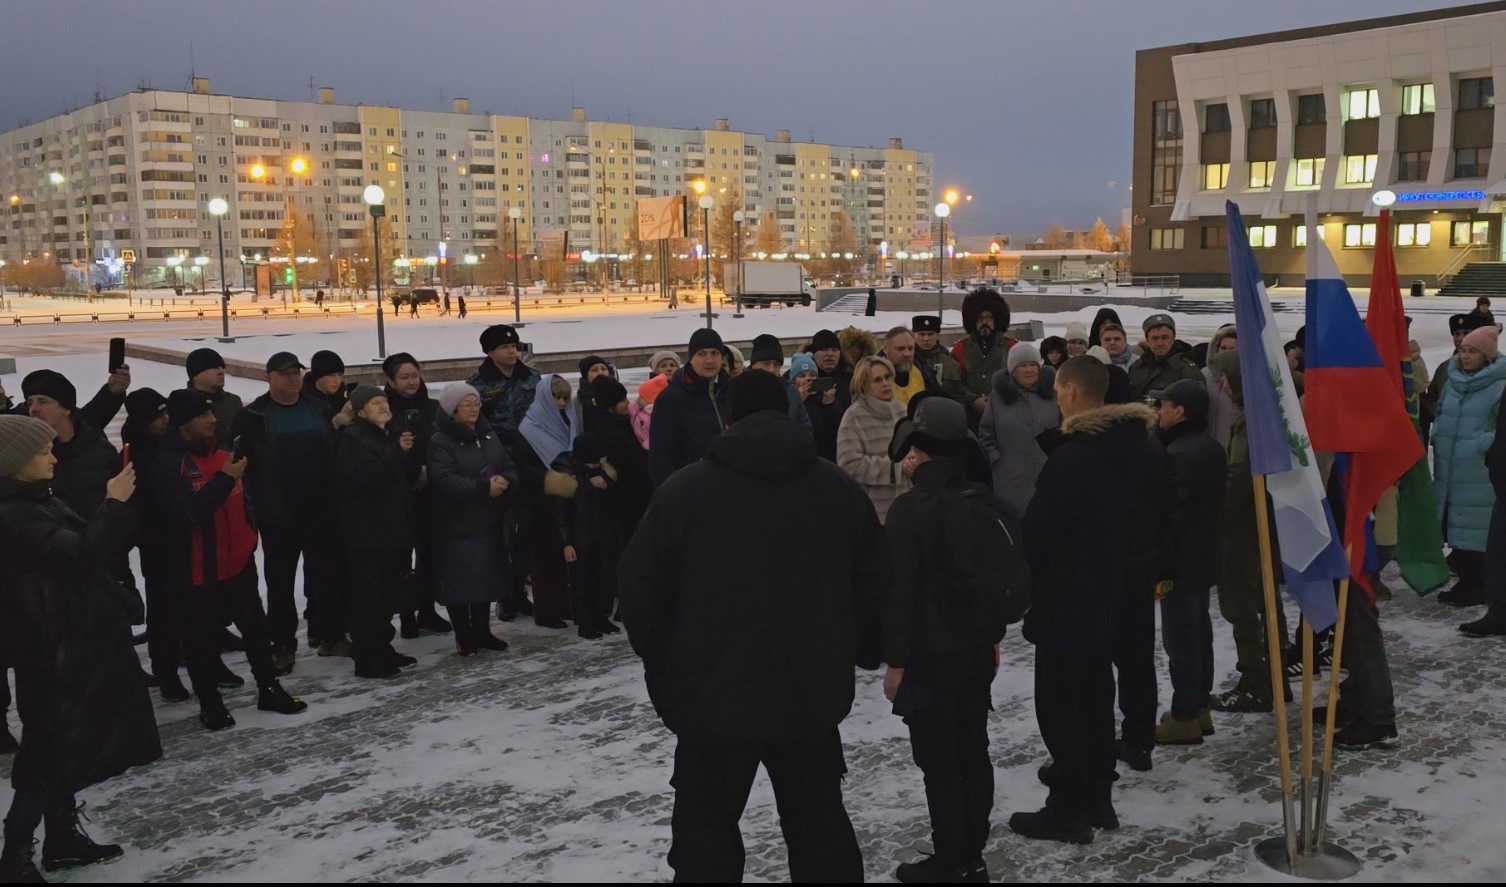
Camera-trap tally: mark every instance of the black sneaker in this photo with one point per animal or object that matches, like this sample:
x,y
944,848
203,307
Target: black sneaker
x,y
213,716
1047,824
401,661
1241,701
1137,759
16,865
1485,628
226,679
407,626
932,870
272,697
68,846
171,688
1363,734
429,620
378,670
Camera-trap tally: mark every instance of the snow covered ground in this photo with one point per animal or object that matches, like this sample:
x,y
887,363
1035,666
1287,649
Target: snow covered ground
x,y
547,763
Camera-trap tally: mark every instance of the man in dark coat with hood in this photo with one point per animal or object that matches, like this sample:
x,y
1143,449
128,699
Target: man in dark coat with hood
x,y
735,678
206,375
86,459
1079,553
692,409
982,352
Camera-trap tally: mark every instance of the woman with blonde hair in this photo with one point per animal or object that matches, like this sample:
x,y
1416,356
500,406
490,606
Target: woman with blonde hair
x,y
866,429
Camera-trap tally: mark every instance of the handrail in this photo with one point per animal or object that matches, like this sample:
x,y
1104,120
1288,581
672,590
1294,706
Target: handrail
x,y
1458,262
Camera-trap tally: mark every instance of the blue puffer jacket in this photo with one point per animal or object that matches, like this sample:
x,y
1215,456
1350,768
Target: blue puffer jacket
x,y
1464,430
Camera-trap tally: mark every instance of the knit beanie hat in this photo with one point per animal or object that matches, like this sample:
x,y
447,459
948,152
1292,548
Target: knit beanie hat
x,y
1076,332
50,383
802,363
186,405
1485,339
1022,352
767,347
754,392
393,362
325,363
659,356
201,359
649,391
21,439
824,340
143,405
702,339
452,394
1098,353
607,392
363,394
587,362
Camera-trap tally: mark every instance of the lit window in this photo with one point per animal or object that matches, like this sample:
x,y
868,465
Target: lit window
x,y
1215,176
1362,104
1261,173
1359,169
1414,234
1469,233
1166,238
1310,171
1262,236
1299,235
1417,99
1358,236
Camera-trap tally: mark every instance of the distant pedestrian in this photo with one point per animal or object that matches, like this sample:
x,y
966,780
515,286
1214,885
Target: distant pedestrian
x,y
460,304
445,310
412,305
319,298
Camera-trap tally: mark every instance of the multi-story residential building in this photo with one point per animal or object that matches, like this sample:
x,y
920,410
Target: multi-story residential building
x,y
1404,104
137,172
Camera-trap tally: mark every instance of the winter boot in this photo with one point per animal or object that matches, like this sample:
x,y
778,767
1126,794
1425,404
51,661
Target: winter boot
x,y
68,846
1205,720
1485,627
226,679
400,660
481,629
16,865
171,687
607,626
1138,759
1052,824
380,669
213,714
407,626
465,639
588,630
272,697
1360,734
430,620
935,870
1174,732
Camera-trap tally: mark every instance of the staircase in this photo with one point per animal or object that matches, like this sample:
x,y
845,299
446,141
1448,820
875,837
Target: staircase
x,y
1203,306
852,303
1477,279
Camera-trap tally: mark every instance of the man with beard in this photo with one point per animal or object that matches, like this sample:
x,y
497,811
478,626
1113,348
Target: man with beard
x,y
206,375
826,350
928,351
982,352
910,378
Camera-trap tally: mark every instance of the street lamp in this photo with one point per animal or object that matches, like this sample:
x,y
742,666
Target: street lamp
x,y
942,211
706,203
173,262
217,208
470,260
200,262
517,308
376,202
737,257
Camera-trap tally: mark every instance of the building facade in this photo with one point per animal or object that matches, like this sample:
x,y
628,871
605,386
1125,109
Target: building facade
x,y
1330,115
134,175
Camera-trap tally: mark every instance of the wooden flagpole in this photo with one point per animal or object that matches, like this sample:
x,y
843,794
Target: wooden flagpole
x,y
1325,775
1307,796
1273,657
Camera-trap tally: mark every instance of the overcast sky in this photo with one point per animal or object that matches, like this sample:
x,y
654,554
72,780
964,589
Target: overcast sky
x,y
1027,105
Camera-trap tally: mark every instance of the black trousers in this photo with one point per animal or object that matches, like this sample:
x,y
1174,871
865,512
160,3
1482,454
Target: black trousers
x,y
1074,706
165,615
949,740
712,780
376,584
207,608
518,534
323,584
1135,664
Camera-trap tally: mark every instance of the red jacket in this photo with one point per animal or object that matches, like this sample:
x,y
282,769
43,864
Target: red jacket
x,y
204,509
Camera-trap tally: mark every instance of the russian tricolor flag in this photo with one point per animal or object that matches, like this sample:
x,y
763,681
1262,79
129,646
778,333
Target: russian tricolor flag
x,y
1311,555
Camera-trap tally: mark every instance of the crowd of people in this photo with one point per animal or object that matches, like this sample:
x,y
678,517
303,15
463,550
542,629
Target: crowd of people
x,y
949,479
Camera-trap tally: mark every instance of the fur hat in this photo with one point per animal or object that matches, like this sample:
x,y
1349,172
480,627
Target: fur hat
x,y
53,384
497,335
852,336
1485,339
981,300
21,439
452,394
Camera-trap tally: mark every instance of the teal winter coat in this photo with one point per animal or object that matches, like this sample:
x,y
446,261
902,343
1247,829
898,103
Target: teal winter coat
x,y
1464,430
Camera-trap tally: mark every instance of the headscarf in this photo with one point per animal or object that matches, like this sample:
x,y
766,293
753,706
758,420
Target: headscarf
x,y
544,429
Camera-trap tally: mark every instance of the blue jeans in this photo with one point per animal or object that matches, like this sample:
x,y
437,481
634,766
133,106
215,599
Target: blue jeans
x,y
1187,636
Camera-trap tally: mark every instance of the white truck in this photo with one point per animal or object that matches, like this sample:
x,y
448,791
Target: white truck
x,y
768,283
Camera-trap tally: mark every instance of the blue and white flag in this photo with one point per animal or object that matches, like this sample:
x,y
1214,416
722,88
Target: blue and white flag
x,y
1312,555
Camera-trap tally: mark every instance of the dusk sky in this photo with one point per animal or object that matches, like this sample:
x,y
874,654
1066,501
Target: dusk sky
x,y
1027,106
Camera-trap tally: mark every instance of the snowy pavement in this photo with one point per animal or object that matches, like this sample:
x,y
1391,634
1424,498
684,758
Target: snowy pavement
x,y
546,763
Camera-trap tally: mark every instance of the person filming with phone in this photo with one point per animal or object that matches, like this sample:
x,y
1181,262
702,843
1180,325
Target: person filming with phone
x,y
822,404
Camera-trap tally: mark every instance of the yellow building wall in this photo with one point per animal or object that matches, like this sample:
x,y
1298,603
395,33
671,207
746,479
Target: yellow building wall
x,y
388,174
899,198
614,188
812,197
512,180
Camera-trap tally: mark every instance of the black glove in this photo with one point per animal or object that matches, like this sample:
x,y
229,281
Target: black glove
x,y
1049,440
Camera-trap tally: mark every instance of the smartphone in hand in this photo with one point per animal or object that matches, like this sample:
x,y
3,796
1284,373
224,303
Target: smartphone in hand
x,y
410,418
117,355
237,452
125,456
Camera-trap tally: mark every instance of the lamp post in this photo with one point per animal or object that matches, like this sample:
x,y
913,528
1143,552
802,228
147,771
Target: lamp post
x,y
470,265
515,214
173,262
737,257
706,204
376,199
942,211
217,208
199,262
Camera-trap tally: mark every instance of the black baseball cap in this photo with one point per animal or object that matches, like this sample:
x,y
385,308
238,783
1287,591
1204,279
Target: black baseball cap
x,y
283,361
1186,394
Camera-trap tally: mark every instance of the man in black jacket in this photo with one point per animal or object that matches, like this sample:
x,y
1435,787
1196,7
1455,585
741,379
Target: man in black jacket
x,y
692,409
1078,554
730,672
290,447
206,375
374,475
1194,509
414,410
86,459
939,674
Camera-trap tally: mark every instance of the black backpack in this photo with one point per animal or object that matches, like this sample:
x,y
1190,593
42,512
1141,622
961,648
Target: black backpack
x,y
985,576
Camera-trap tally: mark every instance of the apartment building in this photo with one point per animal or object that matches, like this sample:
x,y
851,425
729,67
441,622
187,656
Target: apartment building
x,y
134,175
1335,114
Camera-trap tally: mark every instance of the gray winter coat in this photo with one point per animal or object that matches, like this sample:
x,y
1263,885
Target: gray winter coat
x,y
465,520
1008,430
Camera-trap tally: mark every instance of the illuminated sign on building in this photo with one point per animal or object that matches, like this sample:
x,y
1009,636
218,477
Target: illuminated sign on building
x,y
1429,196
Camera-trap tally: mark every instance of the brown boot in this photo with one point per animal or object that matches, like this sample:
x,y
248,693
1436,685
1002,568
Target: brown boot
x,y
1205,720
1174,732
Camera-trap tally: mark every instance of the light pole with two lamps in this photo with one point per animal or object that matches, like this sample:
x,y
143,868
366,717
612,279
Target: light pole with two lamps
x,y
217,208
515,214
376,202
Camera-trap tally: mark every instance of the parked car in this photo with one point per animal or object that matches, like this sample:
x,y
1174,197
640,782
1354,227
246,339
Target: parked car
x,y
421,295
